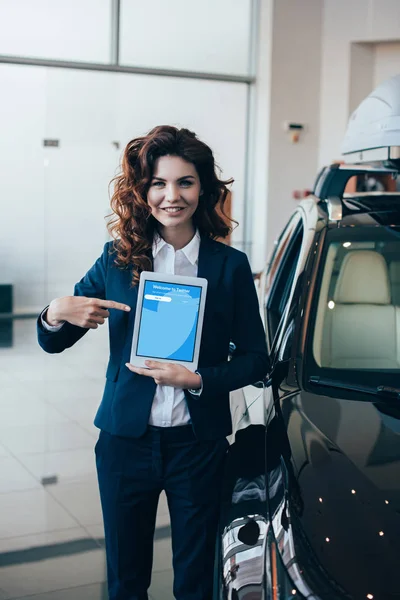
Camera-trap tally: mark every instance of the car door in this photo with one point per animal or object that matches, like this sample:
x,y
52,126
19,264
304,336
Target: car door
x,y
244,513
284,322
248,404
253,405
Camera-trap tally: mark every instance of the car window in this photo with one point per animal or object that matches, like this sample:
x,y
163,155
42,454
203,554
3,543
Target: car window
x,y
357,311
267,276
279,249
282,278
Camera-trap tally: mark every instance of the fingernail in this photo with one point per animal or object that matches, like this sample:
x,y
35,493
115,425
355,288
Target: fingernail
x,y
127,308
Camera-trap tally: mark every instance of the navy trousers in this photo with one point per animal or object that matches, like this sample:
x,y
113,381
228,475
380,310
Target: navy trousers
x,y
132,472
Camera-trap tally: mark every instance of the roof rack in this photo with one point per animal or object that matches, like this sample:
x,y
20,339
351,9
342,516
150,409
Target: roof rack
x,y
387,157
332,180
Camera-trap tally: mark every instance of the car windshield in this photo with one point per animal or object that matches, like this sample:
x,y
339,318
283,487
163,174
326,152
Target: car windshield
x,y
356,324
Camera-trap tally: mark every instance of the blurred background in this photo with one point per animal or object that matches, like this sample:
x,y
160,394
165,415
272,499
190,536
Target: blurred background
x,y
268,84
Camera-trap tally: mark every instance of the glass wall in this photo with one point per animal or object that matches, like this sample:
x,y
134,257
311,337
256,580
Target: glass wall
x,y
212,36
77,30
204,36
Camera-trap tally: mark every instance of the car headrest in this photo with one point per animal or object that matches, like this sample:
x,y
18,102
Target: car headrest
x,y
363,279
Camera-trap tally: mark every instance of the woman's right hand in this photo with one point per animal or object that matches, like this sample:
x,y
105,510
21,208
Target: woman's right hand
x,y
81,311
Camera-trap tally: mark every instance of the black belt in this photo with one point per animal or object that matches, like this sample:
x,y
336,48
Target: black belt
x,y
180,433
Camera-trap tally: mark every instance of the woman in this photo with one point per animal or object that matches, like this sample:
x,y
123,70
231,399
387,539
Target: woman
x,y
164,427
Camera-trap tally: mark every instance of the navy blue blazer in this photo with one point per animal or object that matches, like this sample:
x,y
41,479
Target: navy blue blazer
x,y
231,314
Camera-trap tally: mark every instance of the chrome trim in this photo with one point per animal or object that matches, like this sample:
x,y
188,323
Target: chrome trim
x,y
286,547
367,168
373,154
335,209
353,195
112,68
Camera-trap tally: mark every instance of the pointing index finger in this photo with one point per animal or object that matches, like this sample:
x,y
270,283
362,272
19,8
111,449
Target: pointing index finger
x,y
117,305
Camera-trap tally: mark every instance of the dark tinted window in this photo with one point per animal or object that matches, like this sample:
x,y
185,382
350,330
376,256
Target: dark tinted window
x,y
283,281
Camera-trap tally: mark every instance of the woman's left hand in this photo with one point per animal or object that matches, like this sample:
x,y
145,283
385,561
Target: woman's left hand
x,y
168,374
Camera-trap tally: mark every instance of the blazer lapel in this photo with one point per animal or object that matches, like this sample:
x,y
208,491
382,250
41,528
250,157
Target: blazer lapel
x,y
210,266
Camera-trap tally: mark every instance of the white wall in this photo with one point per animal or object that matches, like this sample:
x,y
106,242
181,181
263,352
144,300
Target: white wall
x,y
387,61
346,22
293,77
295,97
260,132
370,64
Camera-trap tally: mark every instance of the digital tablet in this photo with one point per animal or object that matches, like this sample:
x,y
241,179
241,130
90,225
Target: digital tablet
x,y
169,319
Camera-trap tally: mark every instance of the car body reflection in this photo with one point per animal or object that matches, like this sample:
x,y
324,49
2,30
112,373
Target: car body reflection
x,y
244,517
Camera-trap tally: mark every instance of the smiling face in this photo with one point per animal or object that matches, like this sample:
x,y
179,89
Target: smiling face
x,y
174,191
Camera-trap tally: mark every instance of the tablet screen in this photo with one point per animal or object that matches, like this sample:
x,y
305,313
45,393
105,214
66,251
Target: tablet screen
x,y
168,321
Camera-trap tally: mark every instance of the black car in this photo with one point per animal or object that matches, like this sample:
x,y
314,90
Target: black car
x,y
311,500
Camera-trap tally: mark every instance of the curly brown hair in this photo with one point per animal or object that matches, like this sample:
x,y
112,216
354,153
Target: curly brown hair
x,y
131,224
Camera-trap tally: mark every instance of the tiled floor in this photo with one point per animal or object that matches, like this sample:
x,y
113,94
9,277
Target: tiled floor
x,y
51,536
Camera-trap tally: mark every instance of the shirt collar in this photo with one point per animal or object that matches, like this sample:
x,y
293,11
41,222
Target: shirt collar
x,y
191,250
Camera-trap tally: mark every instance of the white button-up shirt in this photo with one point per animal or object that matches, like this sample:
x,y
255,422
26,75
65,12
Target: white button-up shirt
x,y
169,407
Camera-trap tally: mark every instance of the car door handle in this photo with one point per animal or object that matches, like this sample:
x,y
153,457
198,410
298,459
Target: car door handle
x,y
264,383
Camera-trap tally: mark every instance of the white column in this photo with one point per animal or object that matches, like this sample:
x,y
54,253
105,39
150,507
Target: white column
x,y
258,175
288,87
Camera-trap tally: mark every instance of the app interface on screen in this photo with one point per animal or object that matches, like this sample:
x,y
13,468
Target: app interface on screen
x,y
169,319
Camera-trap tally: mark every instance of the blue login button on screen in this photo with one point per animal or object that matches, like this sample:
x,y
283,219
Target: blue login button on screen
x,y
169,319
